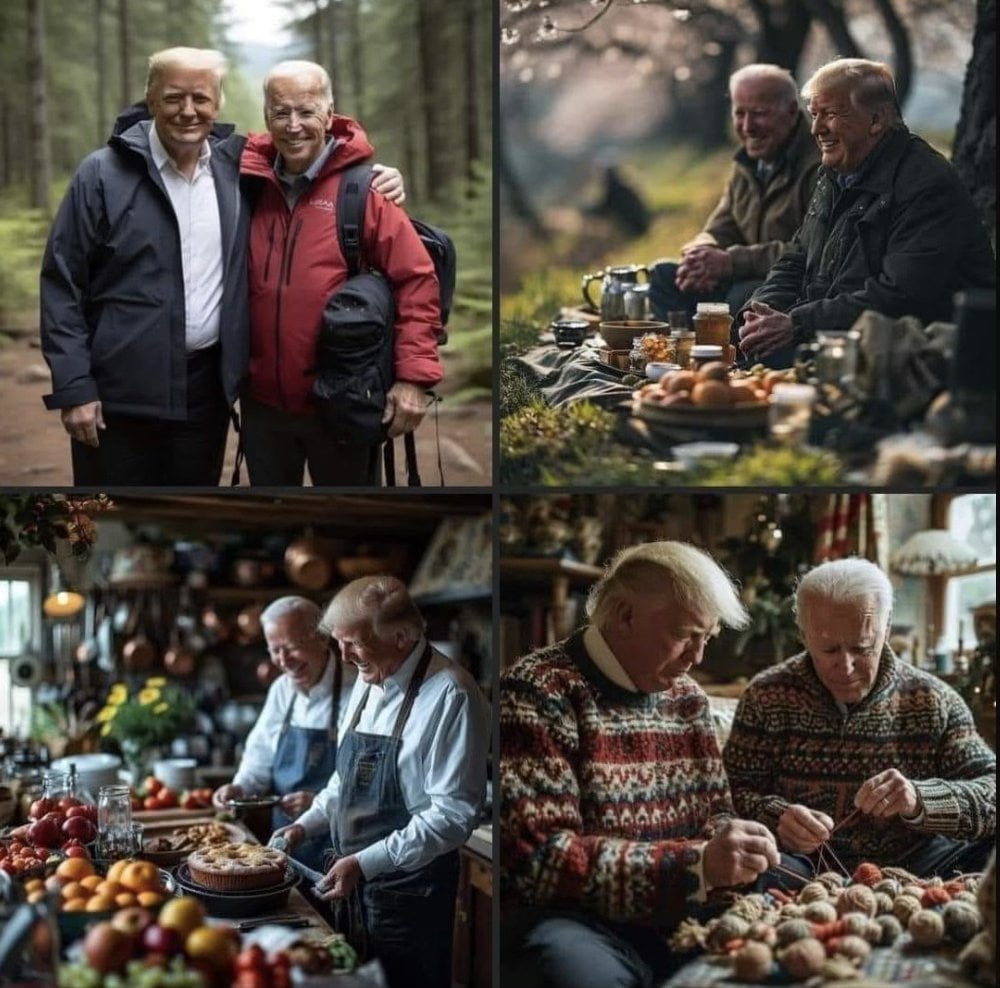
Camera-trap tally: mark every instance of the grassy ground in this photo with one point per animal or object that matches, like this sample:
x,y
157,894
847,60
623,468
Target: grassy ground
x,y
22,240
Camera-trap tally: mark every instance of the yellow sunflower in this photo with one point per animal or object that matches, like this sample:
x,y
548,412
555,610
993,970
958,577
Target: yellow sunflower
x,y
156,682
161,708
105,714
148,696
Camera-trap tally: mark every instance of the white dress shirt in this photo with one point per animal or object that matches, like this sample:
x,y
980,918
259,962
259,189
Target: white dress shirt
x,y
312,709
441,763
197,210
606,660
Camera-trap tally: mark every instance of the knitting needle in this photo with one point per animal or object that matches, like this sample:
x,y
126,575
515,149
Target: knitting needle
x,y
790,873
850,818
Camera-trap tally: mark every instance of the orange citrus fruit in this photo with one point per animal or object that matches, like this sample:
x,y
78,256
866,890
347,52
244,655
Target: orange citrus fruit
x,y
149,899
140,876
73,869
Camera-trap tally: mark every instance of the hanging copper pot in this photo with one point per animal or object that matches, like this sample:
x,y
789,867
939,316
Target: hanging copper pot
x,y
267,673
214,623
248,622
309,562
138,653
178,659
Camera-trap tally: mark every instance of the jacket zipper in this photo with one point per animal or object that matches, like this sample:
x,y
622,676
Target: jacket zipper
x,y
283,278
270,250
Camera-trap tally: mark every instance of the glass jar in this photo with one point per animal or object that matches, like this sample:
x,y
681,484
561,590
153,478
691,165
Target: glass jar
x,y
56,785
680,321
114,822
712,323
790,413
685,346
637,356
702,354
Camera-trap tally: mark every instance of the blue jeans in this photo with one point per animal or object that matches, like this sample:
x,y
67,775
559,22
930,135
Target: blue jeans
x,y
665,296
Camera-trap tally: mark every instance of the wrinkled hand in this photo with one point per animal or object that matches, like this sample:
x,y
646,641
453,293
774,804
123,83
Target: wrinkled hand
x,y
389,182
296,803
83,421
888,794
765,330
405,407
702,268
738,853
294,833
340,880
223,794
802,830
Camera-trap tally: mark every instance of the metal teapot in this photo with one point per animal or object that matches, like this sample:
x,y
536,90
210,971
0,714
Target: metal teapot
x,y
614,284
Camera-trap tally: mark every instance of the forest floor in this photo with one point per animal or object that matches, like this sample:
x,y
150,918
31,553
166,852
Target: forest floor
x,y
34,448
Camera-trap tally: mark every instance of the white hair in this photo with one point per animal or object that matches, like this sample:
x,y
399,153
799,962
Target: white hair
x,y
870,84
688,574
306,609
300,69
841,581
383,603
780,80
197,59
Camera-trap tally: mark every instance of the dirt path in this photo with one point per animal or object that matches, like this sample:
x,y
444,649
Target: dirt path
x,y
34,449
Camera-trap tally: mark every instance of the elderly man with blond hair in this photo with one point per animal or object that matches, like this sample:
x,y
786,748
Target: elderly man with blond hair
x,y
845,732
890,226
408,787
616,818
763,204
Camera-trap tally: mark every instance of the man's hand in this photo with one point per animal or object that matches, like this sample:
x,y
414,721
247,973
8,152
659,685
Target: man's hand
x,y
340,880
83,421
296,803
702,268
888,794
294,833
801,830
738,853
765,330
223,794
389,182
405,407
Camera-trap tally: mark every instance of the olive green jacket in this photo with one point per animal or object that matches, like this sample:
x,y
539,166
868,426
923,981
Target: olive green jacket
x,y
754,222
901,240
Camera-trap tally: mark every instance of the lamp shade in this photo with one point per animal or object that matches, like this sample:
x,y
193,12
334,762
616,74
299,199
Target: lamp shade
x,y
62,604
933,552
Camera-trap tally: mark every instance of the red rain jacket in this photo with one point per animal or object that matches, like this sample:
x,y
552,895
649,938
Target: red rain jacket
x,y
295,264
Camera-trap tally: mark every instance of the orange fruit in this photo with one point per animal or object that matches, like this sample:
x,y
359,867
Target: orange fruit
x,y
212,944
100,904
74,905
115,871
183,914
74,890
109,889
73,869
140,876
124,899
91,882
34,885
37,896
149,899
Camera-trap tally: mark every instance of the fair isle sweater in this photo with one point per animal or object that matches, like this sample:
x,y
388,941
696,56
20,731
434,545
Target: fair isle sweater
x,y
608,796
791,743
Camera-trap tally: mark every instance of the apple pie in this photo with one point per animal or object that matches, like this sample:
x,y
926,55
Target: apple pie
x,y
237,867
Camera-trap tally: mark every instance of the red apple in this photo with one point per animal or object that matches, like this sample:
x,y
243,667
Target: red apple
x,y
80,828
106,948
73,811
56,817
167,798
132,920
75,850
161,939
40,807
44,833
66,803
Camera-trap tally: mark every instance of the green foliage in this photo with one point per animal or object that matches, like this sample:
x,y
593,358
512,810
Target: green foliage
x,y
775,466
517,388
29,520
22,241
148,718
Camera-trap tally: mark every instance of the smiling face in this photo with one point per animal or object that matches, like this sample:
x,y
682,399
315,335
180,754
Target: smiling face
x,y
297,648
845,641
656,639
846,134
298,116
376,658
184,105
763,117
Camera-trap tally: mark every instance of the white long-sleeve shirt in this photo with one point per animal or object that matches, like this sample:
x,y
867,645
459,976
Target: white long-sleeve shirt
x,y
441,763
312,709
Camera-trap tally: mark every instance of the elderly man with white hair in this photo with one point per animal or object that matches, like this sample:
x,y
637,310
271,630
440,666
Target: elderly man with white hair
x,y
763,204
408,787
616,818
846,726
889,228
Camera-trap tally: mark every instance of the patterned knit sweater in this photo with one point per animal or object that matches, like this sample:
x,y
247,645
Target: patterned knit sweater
x,y
790,743
608,796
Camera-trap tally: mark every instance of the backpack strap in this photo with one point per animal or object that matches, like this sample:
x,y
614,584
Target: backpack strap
x,y
412,471
389,462
351,199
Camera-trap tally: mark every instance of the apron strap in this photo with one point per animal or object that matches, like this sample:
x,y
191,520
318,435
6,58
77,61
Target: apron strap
x,y
338,683
411,692
288,715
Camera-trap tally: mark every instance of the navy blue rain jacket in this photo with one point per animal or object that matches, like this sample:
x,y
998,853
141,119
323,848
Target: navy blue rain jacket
x,y
112,290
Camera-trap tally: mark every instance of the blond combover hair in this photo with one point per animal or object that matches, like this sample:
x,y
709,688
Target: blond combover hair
x,y
690,576
381,603
198,59
871,85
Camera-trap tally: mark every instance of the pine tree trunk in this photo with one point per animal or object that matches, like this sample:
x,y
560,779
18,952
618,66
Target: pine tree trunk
x,y
41,160
102,74
427,44
357,59
975,154
124,54
472,149
333,48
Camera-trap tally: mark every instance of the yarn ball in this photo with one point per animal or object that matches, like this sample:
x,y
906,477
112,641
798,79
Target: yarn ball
x,y
890,886
838,969
891,928
749,907
873,932
813,892
753,962
855,923
964,897
793,929
856,899
792,910
855,949
961,921
934,896
867,873
883,903
764,932
821,911
832,880
727,927
904,906
917,891
926,928
803,958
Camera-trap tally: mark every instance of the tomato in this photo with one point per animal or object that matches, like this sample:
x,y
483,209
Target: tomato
x,y
42,854
152,785
167,798
150,803
76,851
251,959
